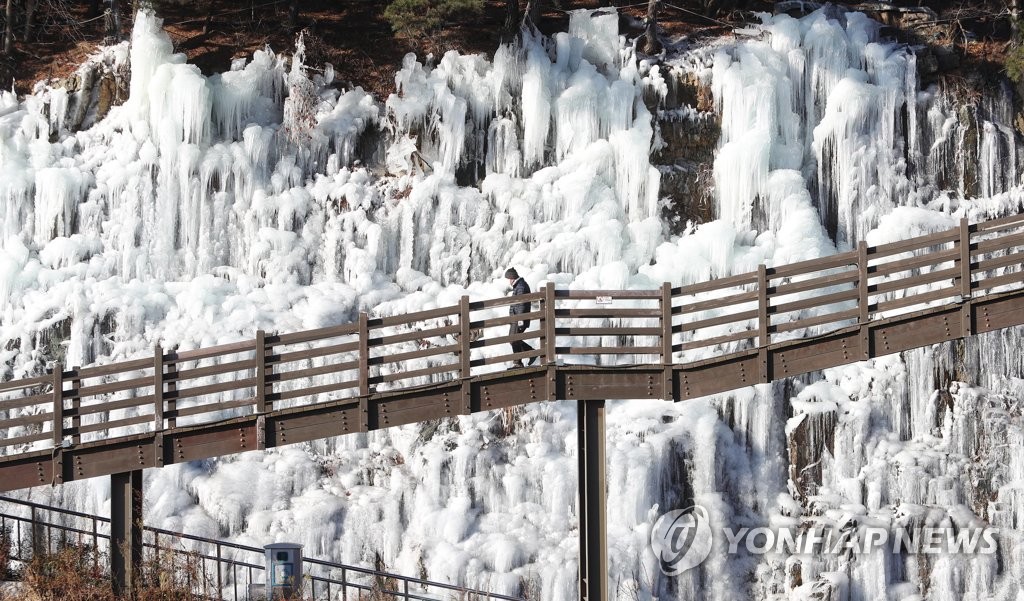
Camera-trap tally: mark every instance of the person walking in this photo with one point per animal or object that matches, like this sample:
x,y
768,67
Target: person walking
x,y
519,286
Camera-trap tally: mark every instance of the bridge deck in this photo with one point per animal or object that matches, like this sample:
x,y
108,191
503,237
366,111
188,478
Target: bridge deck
x,y
670,343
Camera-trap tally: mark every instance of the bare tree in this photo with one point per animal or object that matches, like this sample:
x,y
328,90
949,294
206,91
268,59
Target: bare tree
x,y
9,29
652,45
30,12
512,15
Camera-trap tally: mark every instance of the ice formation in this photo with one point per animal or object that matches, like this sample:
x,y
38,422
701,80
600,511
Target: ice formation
x,y
207,207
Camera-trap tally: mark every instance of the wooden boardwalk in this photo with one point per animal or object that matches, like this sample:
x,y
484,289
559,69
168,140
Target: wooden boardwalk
x,y
672,343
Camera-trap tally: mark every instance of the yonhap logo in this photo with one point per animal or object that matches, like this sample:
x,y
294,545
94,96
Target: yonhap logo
x,y
682,539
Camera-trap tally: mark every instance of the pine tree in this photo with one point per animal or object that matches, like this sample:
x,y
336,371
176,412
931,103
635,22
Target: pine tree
x,y
422,17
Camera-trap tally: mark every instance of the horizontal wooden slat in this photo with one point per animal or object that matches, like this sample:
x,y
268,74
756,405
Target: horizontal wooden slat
x,y
744,335
411,318
110,425
284,395
835,261
608,313
997,244
506,300
614,294
110,406
197,391
309,372
1002,280
717,303
503,321
1016,258
310,353
922,260
212,370
807,322
814,301
88,391
917,299
426,352
27,438
26,420
415,373
610,350
824,281
495,340
414,335
918,280
27,401
206,408
508,358
212,351
717,321
25,382
109,369
607,331
311,335
920,242
734,281
999,224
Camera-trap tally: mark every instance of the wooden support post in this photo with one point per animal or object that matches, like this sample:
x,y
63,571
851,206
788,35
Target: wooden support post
x,y
58,405
966,316
125,531
261,372
763,337
550,348
863,299
158,388
666,340
76,405
158,405
593,571
465,357
364,355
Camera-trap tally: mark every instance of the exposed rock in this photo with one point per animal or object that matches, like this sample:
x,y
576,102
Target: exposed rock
x,y
808,442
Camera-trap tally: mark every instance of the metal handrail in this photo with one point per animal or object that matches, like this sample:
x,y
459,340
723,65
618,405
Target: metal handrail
x,y
36,524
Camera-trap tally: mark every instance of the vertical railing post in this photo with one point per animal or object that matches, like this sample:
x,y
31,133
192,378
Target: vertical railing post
x,y
763,337
76,405
666,339
58,405
966,315
762,305
261,371
465,357
863,299
171,386
364,372
965,259
550,349
220,585
464,338
862,283
158,388
364,355
57,462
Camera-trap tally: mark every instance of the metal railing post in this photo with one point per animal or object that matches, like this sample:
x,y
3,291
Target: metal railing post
x,y
58,405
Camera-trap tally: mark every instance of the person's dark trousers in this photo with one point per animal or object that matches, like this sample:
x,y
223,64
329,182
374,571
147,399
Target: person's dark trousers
x,y
519,346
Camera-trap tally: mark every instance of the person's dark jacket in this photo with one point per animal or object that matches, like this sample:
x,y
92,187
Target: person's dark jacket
x,y
520,287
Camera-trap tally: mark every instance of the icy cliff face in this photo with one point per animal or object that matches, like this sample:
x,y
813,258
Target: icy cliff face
x,y
205,208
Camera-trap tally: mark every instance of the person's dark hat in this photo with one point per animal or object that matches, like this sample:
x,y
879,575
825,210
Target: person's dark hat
x,y
511,274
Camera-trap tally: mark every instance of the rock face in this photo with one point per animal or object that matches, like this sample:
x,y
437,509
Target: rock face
x,y
99,84
689,132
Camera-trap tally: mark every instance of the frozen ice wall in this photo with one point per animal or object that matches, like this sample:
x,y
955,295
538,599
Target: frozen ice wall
x,y
207,207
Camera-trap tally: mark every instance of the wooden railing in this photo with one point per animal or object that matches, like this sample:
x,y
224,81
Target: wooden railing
x,y
667,326
211,568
